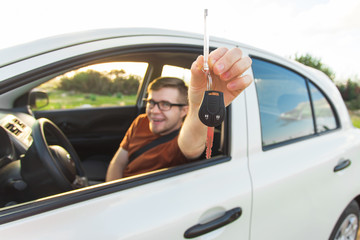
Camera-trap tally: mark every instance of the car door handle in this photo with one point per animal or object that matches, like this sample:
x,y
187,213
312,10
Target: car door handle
x,y
342,165
200,229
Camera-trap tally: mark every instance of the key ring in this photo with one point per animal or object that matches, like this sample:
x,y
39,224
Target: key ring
x,y
209,79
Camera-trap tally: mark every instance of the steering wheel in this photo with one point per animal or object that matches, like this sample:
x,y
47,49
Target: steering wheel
x,y
51,168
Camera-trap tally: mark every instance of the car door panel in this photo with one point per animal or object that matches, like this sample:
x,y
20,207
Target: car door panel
x,y
292,176
164,209
289,176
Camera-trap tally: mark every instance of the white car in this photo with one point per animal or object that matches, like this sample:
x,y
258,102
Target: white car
x,y
285,165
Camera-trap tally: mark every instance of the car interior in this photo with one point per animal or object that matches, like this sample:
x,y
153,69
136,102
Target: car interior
x,y
47,152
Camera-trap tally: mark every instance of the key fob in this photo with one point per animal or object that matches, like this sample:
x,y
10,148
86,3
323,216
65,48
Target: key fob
x,y
212,110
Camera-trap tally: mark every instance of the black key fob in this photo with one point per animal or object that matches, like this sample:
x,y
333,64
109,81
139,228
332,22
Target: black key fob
x,y
212,110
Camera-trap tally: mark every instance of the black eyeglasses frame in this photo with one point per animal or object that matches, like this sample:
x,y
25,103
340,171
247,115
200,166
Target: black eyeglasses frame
x,y
152,102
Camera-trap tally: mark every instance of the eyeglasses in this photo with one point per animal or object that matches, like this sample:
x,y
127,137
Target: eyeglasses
x,y
162,105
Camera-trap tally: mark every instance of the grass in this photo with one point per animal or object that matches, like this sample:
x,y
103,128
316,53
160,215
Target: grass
x,y
355,118
68,100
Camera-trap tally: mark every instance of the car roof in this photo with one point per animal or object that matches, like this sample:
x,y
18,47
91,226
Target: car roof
x,y
27,50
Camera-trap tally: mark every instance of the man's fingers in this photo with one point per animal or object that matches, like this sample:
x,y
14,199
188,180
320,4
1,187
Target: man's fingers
x,y
216,55
225,59
240,83
237,69
228,65
197,65
197,74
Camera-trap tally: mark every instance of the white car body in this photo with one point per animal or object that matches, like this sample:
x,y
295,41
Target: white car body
x,y
287,192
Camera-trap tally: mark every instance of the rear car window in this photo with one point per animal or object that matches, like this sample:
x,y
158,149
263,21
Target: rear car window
x,y
284,104
291,106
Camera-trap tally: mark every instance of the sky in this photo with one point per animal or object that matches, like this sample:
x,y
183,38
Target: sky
x,y
326,29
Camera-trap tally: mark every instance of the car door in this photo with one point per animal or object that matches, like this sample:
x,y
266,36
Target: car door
x,y
296,141
207,198
161,205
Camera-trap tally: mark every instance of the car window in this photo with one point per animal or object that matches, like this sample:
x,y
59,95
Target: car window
x,y
175,71
99,85
284,104
324,114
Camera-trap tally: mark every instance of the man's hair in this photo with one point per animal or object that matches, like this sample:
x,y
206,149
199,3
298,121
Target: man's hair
x,y
170,82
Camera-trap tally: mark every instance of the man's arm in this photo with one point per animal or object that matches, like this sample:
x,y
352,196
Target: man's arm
x,y
226,67
117,165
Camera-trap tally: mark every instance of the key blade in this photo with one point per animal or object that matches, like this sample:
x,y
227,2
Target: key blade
x,y
209,141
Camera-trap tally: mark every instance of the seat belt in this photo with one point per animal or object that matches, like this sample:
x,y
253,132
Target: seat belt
x,y
154,143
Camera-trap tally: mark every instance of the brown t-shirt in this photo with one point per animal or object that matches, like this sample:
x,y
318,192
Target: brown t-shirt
x,y
163,155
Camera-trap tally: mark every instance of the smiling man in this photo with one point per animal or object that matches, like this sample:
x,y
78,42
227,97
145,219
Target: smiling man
x,y
177,141
166,108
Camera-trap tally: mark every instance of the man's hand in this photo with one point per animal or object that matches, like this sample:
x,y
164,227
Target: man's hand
x,y
226,68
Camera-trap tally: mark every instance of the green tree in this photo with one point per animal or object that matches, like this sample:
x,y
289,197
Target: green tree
x,y
115,73
126,86
91,81
350,92
87,82
316,63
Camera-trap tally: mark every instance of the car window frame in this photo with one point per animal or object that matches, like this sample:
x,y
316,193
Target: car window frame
x,y
307,80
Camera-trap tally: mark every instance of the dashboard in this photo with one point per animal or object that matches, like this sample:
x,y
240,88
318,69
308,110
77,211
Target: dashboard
x,y
18,130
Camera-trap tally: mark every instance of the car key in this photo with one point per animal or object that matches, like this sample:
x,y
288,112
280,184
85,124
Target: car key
x,y
211,113
212,110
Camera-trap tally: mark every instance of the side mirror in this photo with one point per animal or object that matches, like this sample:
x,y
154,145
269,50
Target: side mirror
x,y
38,99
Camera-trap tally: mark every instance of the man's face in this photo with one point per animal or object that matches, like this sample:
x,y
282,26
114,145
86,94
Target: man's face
x,y
164,122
